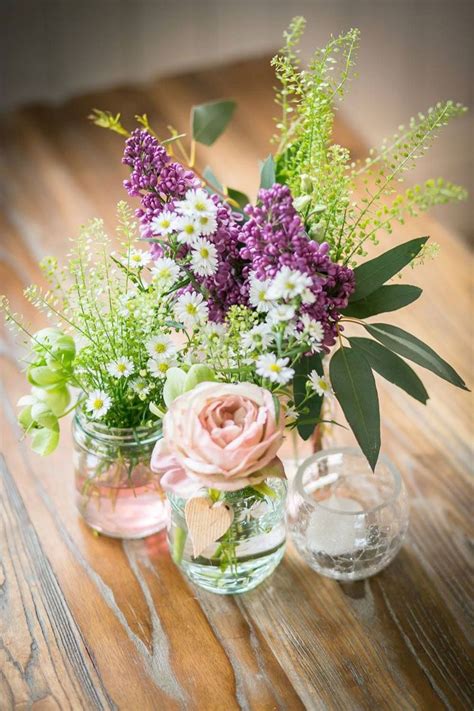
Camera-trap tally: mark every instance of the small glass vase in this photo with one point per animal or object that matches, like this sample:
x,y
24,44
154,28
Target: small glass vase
x,y
346,521
117,494
247,553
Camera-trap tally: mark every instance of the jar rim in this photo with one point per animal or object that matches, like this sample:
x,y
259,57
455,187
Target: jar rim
x,y
352,451
109,434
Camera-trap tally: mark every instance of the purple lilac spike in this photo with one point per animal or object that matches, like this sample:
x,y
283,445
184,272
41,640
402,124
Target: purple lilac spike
x,y
274,237
154,177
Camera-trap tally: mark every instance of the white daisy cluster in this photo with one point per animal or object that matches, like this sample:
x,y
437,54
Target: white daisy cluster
x,y
162,352
192,220
278,302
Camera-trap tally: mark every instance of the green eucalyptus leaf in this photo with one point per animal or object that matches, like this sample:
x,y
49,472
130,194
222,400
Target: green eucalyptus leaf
x,y
267,172
372,274
391,367
308,420
174,385
240,198
198,373
408,346
354,387
44,441
382,300
210,120
210,178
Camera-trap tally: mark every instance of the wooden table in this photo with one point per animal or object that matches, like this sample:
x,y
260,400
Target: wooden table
x,y
93,623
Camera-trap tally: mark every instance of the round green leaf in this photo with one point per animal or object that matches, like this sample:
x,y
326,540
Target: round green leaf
x,y
198,373
42,375
174,385
41,414
45,441
57,399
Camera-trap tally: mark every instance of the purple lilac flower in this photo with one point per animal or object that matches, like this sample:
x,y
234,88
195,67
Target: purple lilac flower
x,y
274,237
225,287
154,177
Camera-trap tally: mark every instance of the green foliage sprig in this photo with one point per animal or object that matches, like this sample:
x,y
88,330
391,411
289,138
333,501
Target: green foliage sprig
x,y
322,176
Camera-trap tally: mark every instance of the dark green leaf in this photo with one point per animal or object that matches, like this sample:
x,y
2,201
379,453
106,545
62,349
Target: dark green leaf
x,y
412,348
267,172
372,274
302,370
240,198
391,367
210,178
354,386
210,120
386,298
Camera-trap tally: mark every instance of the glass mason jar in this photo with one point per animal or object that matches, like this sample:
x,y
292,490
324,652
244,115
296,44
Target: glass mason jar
x,y
247,553
117,494
345,520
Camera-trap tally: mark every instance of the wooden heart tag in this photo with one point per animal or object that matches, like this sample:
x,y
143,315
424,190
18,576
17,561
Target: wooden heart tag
x,y
206,522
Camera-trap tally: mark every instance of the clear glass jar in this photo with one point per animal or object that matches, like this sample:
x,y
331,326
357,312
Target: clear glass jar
x,y
117,494
247,553
345,520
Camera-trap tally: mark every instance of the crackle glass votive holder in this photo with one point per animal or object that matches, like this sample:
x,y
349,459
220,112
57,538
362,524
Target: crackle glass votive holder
x,y
347,521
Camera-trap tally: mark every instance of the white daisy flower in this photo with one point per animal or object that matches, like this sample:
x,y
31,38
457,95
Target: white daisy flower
x,y
187,228
281,313
120,368
288,284
165,271
158,369
307,297
137,258
97,404
213,332
161,348
191,309
258,295
204,258
141,387
274,369
163,223
207,223
319,383
313,330
258,338
197,202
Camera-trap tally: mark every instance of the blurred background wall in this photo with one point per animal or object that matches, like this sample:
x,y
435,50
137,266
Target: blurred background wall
x,y
413,53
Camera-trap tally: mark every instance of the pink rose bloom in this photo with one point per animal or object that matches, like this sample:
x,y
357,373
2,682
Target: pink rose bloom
x,y
220,435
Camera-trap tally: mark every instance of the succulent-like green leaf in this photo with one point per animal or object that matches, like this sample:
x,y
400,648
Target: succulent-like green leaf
x,y
391,367
408,346
370,275
210,120
43,376
354,387
382,300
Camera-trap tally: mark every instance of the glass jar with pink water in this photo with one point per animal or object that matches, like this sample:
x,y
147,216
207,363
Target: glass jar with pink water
x,y
117,494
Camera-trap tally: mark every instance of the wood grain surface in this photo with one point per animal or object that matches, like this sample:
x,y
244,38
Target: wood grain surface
x,y
94,623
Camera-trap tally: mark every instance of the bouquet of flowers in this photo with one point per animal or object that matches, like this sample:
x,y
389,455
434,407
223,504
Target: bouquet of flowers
x,y
231,325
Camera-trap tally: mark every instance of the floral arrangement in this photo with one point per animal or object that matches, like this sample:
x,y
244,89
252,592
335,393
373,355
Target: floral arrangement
x,y
231,324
